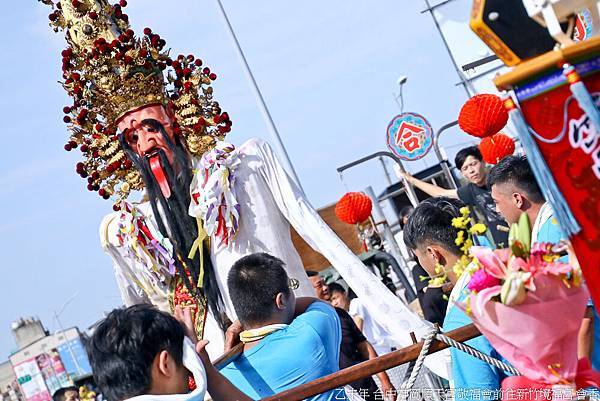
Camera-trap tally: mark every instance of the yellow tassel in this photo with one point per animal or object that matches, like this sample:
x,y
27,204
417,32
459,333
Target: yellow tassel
x,y
197,246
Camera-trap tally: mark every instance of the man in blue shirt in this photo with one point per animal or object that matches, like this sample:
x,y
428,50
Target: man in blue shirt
x,y
287,341
430,235
516,191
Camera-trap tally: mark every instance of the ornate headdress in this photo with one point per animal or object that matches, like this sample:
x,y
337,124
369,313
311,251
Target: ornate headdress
x,y
108,72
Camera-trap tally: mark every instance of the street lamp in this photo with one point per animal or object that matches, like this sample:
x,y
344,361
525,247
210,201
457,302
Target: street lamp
x,y
401,81
62,331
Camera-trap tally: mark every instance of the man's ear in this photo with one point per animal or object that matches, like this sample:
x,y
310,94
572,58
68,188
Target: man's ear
x,y
161,364
436,256
281,301
518,200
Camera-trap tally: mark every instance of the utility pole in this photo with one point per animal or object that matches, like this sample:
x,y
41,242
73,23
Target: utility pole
x,y
259,98
431,10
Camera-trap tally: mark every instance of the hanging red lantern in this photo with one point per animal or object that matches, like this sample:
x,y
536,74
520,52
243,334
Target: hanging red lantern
x,y
353,207
483,115
496,147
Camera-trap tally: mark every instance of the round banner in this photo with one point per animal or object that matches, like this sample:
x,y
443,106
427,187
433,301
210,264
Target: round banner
x,y
409,136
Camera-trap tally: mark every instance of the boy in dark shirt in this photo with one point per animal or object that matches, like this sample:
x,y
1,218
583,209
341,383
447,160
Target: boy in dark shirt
x,y
475,194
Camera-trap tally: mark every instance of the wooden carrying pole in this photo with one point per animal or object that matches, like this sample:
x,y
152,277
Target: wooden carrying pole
x,y
361,370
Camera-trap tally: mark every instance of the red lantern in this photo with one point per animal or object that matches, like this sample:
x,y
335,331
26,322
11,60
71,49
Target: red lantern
x,y
354,207
483,115
496,147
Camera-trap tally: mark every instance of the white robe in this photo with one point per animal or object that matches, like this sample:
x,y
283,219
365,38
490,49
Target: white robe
x,y
270,202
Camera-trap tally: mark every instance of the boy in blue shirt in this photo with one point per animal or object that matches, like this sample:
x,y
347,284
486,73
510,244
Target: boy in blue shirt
x,y
287,341
431,236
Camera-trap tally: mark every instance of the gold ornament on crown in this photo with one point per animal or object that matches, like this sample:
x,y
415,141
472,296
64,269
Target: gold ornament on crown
x,y
108,71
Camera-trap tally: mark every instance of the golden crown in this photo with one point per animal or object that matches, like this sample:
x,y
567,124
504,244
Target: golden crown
x,y
108,71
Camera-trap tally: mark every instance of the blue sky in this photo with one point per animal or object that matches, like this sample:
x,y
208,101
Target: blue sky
x,y
327,71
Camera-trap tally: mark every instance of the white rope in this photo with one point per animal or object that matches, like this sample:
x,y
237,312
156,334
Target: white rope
x,y
477,354
427,341
408,384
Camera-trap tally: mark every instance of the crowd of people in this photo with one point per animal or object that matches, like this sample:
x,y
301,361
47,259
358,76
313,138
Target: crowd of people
x,y
287,341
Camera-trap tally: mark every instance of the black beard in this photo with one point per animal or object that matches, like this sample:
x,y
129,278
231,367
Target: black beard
x,y
182,228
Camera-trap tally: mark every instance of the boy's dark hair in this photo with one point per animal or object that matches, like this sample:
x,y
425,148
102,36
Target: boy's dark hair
x,y
311,273
431,223
405,211
254,281
333,287
124,346
516,170
462,155
60,394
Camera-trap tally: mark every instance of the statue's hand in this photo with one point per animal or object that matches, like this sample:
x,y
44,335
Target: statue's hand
x,y
232,335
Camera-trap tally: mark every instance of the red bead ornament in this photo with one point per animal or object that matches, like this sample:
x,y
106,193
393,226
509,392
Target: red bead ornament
x,y
353,207
496,147
483,115
147,31
191,383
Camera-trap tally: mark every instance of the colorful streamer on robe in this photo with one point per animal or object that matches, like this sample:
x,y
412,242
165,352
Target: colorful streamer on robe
x,y
146,245
213,197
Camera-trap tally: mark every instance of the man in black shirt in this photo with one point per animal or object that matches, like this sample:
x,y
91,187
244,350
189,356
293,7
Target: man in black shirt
x,y
354,348
476,193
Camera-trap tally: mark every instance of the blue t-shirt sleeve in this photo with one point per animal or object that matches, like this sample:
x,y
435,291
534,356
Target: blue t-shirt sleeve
x,y
325,322
550,231
473,378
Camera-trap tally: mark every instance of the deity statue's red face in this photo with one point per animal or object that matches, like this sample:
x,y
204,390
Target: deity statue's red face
x,y
145,139
141,129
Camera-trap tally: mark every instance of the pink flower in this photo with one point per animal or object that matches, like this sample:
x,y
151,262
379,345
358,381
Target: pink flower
x,y
491,262
481,280
557,268
541,249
